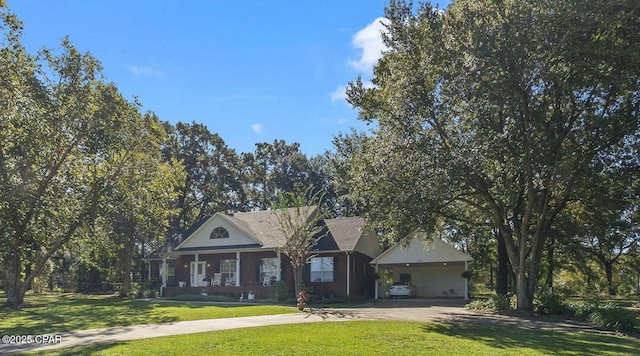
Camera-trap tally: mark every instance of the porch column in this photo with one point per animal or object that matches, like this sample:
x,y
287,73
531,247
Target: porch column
x,y
164,270
163,275
278,266
466,283
348,274
238,269
376,284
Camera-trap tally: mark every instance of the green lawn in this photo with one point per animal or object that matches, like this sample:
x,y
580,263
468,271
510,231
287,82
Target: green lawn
x,y
371,337
55,313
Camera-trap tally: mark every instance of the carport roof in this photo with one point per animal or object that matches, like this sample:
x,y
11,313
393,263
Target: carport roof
x,y
415,248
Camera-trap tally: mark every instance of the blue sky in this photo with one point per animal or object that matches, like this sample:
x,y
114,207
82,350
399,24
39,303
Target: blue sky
x,y
252,71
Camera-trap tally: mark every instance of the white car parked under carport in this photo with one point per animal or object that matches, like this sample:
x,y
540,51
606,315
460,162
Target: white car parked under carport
x,y
402,289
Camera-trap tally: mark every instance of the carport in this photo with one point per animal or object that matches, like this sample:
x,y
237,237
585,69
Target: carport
x,y
432,265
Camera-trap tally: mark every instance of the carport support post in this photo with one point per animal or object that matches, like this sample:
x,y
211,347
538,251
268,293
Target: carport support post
x,y
376,284
466,282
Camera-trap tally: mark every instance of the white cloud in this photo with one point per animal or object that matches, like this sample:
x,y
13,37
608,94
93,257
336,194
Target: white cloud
x,y
339,94
138,70
257,128
369,39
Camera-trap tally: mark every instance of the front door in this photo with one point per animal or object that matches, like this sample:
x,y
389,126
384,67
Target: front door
x,y
197,273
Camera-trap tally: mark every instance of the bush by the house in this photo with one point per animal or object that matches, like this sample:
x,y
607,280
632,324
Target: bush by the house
x,y
203,298
280,291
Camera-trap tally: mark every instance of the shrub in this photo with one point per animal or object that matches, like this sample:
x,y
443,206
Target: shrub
x,y
610,316
203,298
280,291
580,310
501,302
547,303
495,303
480,304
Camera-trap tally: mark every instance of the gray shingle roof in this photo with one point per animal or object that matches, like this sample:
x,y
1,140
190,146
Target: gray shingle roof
x,y
343,233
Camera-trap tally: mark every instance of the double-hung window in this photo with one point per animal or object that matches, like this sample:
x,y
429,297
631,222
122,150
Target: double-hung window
x,y
268,270
322,269
228,270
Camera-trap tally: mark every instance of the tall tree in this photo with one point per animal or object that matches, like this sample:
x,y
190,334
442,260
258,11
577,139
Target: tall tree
x,y
500,107
606,216
212,182
63,130
272,169
137,210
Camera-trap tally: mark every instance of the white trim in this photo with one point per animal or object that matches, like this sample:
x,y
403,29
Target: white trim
x,y
227,219
348,274
238,269
466,282
164,274
279,262
376,283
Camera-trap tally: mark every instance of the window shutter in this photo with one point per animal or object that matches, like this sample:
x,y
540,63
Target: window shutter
x,y
335,268
258,263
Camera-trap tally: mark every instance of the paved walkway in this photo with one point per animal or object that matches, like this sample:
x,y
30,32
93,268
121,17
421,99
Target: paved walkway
x,y
410,310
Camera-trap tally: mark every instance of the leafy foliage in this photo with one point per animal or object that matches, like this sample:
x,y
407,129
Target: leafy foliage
x,y
67,140
298,217
499,108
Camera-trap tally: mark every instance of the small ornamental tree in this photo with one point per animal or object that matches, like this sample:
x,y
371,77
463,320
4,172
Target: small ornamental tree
x,y
297,217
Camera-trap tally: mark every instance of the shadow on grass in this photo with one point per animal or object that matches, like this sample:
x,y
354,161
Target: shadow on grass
x,y
56,313
326,314
84,350
546,341
65,312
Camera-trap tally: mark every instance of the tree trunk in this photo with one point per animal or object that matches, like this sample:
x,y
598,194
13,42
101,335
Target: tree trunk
x,y
13,286
525,297
550,264
297,277
608,269
502,273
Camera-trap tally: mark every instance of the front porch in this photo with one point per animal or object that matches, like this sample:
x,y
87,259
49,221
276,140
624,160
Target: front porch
x,y
224,273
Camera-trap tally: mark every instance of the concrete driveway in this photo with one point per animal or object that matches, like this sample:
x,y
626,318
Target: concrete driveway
x,y
453,310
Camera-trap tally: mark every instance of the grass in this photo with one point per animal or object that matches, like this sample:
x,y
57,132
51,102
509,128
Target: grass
x,y
55,313
371,337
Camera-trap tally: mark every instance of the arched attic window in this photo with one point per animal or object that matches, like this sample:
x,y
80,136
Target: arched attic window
x,y
219,233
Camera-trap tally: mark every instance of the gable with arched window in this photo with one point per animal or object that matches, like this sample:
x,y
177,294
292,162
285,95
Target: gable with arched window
x,y
219,233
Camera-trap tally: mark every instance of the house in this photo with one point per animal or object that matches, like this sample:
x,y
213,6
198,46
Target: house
x,y
235,254
434,267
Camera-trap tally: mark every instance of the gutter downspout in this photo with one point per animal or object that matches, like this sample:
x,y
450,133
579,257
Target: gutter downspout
x,y
348,274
